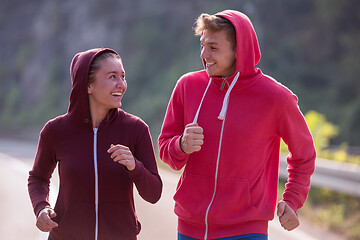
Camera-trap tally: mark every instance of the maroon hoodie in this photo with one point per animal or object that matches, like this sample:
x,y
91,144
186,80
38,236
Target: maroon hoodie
x,y
95,199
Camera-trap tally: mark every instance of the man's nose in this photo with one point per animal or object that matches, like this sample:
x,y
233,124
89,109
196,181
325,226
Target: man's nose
x,y
204,53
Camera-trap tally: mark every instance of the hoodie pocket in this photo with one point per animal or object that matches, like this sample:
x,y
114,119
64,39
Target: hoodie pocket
x,y
193,197
76,222
118,221
232,202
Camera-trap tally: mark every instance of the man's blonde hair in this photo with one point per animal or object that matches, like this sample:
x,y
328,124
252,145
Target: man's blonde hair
x,y
214,23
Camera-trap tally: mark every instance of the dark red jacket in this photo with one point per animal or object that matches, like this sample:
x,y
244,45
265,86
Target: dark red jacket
x,y
95,194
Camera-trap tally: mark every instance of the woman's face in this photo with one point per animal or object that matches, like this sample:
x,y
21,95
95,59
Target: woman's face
x,y
107,90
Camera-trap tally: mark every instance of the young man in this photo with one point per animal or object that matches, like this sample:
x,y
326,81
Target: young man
x,y
224,124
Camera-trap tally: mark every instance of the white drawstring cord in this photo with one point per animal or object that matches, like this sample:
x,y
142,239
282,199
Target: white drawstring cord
x,y
202,99
226,98
225,101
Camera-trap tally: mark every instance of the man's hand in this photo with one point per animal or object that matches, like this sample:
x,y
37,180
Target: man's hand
x,y
287,216
44,222
192,139
122,155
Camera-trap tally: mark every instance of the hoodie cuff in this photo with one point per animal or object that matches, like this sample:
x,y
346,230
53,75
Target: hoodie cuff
x,y
137,171
177,152
291,204
41,207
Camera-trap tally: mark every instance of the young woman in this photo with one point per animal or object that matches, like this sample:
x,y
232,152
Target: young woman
x,y
101,151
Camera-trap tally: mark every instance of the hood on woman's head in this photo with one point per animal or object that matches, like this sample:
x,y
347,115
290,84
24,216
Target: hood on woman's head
x,y
79,71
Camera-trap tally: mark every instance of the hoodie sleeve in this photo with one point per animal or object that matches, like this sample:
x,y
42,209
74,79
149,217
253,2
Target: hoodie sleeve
x,y
145,175
294,131
172,130
39,176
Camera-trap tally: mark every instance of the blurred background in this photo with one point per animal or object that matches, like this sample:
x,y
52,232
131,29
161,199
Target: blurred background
x,y
311,46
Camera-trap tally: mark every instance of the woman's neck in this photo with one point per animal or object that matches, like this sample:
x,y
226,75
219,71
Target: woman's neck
x,y
97,116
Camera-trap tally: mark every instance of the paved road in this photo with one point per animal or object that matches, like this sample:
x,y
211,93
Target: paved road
x,y
17,220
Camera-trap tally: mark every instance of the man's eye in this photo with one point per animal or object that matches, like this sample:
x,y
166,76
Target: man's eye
x,y
112,77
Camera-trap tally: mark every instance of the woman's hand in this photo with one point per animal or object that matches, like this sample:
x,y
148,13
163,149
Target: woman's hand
x,y
44,222
122,155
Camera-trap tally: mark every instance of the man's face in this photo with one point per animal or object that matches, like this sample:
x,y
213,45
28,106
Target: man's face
x,y
218,53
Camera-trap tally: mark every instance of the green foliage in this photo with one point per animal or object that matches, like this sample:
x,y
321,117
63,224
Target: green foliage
x,y
330,210
322,132
310,46
9,104
336,211
17,113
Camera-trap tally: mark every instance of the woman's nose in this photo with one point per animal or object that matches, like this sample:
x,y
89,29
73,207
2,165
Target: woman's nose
x,y
121,83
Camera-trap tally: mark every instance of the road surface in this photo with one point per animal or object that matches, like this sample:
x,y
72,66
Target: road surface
x,y
17,220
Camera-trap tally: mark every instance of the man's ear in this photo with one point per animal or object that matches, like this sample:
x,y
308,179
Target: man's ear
x,y
89,89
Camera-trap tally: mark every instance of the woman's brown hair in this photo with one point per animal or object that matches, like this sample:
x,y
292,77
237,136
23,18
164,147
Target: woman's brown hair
x,y
95,65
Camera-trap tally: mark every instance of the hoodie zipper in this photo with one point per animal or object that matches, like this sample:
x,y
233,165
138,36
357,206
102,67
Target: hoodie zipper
x,y
223,83
216,180
222,116
96,185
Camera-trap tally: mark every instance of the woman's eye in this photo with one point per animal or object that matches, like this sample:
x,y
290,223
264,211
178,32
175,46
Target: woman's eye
x,y
112,77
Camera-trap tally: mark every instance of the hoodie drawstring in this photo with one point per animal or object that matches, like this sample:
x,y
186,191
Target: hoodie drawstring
x,y
226,98
202,99
225,101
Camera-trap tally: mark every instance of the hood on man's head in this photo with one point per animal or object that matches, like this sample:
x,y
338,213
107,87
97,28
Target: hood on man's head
x,y
247,46
79,71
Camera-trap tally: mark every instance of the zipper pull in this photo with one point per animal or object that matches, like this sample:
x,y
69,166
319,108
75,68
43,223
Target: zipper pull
x,y
223,84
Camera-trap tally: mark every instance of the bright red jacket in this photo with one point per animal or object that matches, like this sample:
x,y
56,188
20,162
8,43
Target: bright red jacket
x,y
229,187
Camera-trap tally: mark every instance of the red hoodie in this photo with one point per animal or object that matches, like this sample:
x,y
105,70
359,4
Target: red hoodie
x,y
95,199
229,187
